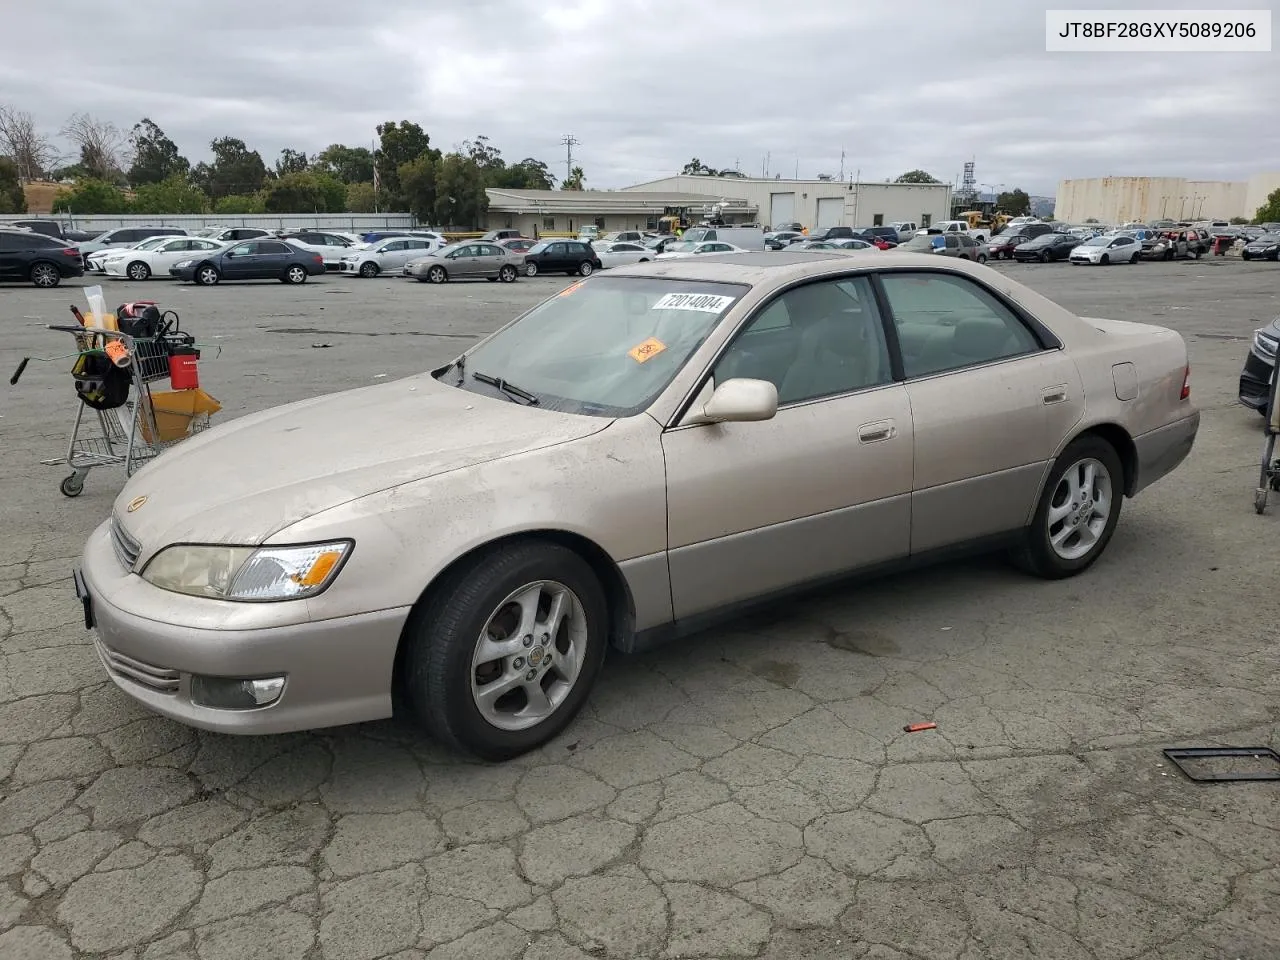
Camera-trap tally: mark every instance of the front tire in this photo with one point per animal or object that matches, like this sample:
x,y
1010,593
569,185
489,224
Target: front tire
x,y
369,270
207,276
1105,259
437,275
1044,257
530,269
1077,513
45,275
138,271
982,258
503,655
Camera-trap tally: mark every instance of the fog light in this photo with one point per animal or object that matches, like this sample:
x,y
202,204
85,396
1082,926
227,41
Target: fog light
x,y
231,693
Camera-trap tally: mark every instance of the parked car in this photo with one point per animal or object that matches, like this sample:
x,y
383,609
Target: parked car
x,y
1001,247
660,243
619,236
617,254
782,239
1108,248
1168,246
37,259
884,237
155,259
250,260
1265,247
959,227
1259,362
292,568
96,262
519,245
952,244
384,256
51,228
691,248
1046,247
861,243
906,229
833,233
468,260
332,247
126,237
504,234
561,256
232,234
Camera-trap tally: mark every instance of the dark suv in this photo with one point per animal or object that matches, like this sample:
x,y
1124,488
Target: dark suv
x,y
561,256
835,233
43,261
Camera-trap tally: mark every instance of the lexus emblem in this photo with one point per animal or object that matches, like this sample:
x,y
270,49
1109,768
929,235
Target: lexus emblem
x,y
135,503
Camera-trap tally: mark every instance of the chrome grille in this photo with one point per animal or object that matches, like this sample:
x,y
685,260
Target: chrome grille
x,y
140,672
127,549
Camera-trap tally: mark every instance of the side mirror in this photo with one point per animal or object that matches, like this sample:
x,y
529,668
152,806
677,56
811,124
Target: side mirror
x,y
740,401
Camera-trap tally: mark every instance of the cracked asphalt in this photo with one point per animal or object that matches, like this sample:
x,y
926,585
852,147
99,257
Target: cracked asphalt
x,y
746,793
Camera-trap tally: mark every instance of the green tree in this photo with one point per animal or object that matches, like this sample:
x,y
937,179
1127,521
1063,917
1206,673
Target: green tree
x,y
173,195
917,176
418,185
360,197
460,196
155,156
348,164
239,203
291,161
235,170
304,191
696,168
576,179
12,199
1269,211
399,143
1014,202
90,196
528,174
1238,221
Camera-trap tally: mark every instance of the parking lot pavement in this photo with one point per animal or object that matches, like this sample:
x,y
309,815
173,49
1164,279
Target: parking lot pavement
x,y
747,793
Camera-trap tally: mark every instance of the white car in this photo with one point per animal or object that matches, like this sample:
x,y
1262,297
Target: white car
x,y
1108,248
619,254
687,248
155,259
96,262
385,256
331,246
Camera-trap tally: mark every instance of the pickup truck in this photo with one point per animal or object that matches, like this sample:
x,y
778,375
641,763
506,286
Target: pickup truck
x,y
906,229
956,226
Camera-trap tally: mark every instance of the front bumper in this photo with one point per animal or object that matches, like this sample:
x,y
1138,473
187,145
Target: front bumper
x,y
337,671
1255,381
1161,450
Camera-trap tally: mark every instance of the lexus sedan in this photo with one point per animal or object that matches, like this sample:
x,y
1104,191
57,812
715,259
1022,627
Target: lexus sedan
x,y
469,261
1001,247
1255,378
96,262
1046,248
250,260
618,467
154,257
622,253
1265,247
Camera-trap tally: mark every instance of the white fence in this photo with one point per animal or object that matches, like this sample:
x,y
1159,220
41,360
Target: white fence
x,y
265,221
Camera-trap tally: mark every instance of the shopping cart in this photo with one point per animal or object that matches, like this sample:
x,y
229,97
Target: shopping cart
x,y
120,418
1269,477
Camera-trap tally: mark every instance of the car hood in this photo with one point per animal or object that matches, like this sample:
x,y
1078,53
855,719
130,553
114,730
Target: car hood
x,y
243,481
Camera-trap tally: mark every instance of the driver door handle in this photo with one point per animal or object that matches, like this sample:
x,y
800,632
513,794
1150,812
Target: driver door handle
x,y
876,432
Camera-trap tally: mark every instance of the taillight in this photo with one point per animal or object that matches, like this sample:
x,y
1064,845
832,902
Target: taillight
x,y
71,252
318,259
1186,383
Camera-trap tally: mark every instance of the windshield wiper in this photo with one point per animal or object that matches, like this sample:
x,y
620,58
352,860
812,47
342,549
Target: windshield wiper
x,y
510,389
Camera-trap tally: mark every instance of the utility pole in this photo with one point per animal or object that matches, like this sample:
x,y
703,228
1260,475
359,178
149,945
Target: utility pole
x,y
842,165
569,141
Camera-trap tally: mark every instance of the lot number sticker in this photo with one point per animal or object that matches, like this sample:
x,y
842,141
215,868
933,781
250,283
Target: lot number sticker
x,y
647,350
702,302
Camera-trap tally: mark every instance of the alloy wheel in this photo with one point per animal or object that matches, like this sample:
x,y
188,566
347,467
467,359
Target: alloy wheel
x,y
1079,510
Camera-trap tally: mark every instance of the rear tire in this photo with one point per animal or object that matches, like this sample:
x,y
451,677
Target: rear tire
x,y
982,258
586,268
507,274
445,634
295,275
1036,553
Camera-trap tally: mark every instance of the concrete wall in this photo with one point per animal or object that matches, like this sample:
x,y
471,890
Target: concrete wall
x,y
863,202
266,221
1121,199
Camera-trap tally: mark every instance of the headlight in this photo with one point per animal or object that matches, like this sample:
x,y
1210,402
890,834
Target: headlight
x,y
248,573
1264,345
183,263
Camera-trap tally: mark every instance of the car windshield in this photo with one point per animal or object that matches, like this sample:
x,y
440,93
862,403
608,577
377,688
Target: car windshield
x,y
605,347
1097,242
540,247
680,246
920,243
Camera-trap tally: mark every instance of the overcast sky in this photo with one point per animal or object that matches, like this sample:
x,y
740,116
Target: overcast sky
x,y
646,84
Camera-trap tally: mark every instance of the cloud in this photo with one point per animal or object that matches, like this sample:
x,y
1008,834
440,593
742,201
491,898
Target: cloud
x,y
645,85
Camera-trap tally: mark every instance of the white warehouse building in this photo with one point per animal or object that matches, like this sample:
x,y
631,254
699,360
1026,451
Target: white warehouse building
x,y
1143,199
817,203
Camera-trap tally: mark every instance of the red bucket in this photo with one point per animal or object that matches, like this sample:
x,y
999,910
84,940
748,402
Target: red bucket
x,y
184,370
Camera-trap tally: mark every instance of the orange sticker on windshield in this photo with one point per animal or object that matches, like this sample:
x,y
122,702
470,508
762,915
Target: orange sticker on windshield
x,y
647,350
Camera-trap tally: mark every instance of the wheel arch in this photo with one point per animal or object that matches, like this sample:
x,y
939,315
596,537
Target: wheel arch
x,y
1120,440
43,263
617,593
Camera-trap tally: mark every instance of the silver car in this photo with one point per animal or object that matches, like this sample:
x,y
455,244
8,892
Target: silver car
x,y
467,261
647,450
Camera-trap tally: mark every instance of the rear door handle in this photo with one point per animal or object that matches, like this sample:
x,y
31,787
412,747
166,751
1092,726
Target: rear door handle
x,y
1055,394
875,432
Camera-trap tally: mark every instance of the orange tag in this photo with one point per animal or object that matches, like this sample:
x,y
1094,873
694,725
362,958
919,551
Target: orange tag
x,y
569,289
117,353
647,350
